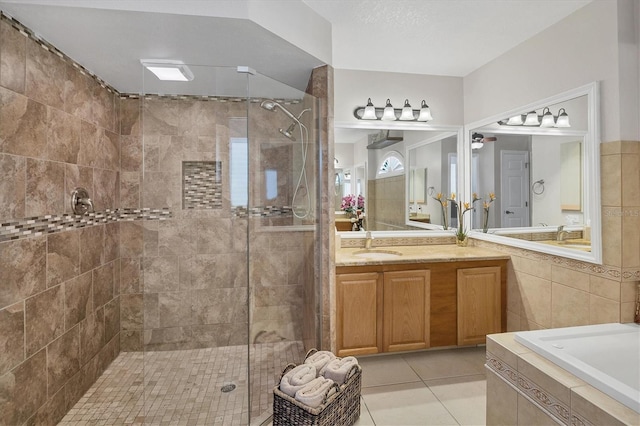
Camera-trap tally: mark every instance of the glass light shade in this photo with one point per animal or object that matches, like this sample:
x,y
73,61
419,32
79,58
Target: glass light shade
x,y
516,120
389,114
532,119
477,145
369,111
547,119
563,119
425,112
407,112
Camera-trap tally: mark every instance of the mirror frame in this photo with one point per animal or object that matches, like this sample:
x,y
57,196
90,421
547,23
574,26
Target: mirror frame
x,y
591,172
411,126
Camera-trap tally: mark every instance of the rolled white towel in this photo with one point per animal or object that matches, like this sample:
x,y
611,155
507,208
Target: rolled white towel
x,y
314,393
320,359
338,369
296,378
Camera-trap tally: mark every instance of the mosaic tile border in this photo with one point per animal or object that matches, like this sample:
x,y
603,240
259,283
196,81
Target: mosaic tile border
x,y
208,98
529,389
262,211
397,241
577,420
51,48
503,369
549,403
50,224
610,272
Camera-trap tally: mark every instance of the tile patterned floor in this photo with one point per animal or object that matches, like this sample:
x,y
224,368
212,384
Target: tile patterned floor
x,y
438,387
184,387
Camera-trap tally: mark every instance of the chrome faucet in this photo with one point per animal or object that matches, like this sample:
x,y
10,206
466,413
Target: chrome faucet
x,y
81,204
561,234
368,240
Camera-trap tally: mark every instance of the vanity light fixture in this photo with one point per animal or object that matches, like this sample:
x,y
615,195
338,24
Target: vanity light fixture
x,y
425,112
369,111
547,118
407,112
388,113
563,119
516,120
532,119
168,70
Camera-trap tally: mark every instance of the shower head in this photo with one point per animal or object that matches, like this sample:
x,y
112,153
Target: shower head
x,y
289,132
271,105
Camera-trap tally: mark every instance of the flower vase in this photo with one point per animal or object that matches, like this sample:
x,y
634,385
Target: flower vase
x,y
462,242
485,221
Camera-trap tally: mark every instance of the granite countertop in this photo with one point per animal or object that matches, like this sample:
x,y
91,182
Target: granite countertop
x,y
414,254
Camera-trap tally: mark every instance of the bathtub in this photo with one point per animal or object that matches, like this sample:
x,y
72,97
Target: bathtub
x,y
607,356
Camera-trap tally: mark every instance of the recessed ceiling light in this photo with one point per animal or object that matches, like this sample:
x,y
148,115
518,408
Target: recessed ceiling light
x,y
168,70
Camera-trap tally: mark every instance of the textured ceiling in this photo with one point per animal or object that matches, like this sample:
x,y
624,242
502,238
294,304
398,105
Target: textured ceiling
x,y
439,37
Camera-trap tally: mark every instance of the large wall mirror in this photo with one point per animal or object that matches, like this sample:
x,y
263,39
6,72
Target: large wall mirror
x,y
397,169
543,176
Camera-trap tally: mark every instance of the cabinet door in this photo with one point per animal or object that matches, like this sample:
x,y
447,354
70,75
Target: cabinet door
x,y
406,310
478,304
359,313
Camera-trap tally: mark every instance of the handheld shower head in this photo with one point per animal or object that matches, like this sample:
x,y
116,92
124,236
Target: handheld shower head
x,y
270,105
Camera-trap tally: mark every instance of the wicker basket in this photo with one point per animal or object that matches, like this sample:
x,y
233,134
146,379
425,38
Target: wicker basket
x,y
342,408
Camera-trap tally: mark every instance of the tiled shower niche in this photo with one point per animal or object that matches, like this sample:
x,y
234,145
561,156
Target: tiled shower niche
x,y
201,185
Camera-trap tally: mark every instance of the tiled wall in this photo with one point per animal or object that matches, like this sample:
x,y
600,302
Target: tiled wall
x,y
184,280
321,86
547,291
59,292
388,205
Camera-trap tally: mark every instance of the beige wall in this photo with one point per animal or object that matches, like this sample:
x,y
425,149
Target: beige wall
x,y
442,94
548,291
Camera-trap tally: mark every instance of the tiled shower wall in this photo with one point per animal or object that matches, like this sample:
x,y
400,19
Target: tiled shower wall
x,y
59,303
184,280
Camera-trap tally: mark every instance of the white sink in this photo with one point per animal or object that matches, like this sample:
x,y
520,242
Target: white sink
x,y
377,254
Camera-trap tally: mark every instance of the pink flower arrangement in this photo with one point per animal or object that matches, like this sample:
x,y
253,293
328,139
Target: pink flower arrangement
x,y
351,203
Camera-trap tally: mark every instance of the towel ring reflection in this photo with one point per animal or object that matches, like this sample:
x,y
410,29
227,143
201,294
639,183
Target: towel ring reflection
x,y
538,187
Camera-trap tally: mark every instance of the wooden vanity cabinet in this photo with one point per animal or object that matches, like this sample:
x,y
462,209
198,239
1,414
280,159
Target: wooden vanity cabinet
x,y
382,312
406,310
359,307
479,297
403,307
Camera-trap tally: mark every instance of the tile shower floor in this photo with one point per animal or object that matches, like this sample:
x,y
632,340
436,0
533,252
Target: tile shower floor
x,y
184,387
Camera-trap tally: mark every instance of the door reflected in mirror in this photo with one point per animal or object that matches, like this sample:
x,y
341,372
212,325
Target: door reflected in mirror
x,y
537,181
545,179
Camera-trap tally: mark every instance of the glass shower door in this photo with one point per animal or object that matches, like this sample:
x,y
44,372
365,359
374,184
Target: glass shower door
x,y
192,323
227,277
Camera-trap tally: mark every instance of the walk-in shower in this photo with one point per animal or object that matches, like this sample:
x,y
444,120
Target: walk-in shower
x,y
222,293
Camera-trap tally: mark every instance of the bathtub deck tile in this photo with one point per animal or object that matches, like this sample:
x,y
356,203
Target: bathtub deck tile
x,y
599,408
